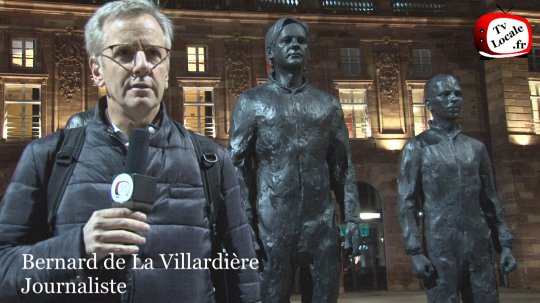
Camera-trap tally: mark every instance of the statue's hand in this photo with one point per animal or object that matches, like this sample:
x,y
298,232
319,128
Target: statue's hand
x,y
508,262
421,267
352,239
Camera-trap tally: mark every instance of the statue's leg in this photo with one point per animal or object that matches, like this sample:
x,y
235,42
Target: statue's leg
x,y
444,287
306,284
482,286
325,271
277,276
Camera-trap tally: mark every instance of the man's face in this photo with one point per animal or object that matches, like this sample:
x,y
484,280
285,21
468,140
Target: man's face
x,y
446,100
133,81
291,48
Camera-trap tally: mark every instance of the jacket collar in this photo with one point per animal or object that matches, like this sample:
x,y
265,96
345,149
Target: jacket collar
x,y
290,90
159,130
444,132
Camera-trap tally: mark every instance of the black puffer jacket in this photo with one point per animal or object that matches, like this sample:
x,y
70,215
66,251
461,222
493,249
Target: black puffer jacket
x,y
179,220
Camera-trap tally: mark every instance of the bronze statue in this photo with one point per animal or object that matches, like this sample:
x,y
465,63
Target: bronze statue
x,y
289,144
450,174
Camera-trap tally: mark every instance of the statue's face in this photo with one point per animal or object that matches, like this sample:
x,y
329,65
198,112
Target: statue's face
x,y
291,48
446,99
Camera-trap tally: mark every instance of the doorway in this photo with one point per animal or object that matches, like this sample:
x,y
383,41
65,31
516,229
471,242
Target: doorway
x,y
368,270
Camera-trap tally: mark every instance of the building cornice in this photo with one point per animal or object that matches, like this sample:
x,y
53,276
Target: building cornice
x,y
249,17
47,8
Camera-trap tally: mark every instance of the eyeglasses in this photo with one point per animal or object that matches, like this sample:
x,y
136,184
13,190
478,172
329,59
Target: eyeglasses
x,y
124,54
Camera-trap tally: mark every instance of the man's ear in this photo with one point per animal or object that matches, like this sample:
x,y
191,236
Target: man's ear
x,y
95,68
270,54
168,67
427,101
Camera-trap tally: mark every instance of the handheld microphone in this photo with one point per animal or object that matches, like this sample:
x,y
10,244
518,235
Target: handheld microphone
x,y
132,189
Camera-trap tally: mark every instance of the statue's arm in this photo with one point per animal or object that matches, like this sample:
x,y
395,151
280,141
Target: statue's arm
x,y
505,236
343,178
242,148
490,193
408,192
343,174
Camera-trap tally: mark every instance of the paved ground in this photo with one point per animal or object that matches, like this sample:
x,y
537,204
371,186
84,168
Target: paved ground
x,y
506,296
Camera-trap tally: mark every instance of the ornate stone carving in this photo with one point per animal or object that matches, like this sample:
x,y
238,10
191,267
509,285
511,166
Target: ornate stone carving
x,y
237,71
387,67
390,104
70,56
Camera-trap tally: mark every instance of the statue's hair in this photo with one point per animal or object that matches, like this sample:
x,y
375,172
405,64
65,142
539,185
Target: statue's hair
x,y
94,36
274,31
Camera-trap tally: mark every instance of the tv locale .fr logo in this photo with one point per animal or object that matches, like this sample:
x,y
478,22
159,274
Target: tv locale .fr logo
x,y
502,35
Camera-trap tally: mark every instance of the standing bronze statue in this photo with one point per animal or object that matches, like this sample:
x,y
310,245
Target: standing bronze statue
x,y
450,174
290,147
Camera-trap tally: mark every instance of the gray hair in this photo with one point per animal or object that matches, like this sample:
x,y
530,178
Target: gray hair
x,y
274,31
93,31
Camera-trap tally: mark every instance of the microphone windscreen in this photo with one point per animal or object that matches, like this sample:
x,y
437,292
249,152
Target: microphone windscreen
x,y
137,153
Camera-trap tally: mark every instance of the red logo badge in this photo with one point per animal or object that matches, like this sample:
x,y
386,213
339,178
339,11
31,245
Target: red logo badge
x,y
502,35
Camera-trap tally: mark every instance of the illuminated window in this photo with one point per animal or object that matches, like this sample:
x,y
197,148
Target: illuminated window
x,y
22,112
23,52
350,61
534,59
199,110
534,86
355,112
421,62
421,115
196,56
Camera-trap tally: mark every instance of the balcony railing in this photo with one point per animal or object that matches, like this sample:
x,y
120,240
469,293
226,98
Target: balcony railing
x,y
353,6
196,4
419,6
277,4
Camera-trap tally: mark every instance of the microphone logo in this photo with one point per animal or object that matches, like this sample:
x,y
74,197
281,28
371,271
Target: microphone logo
x,y
122,188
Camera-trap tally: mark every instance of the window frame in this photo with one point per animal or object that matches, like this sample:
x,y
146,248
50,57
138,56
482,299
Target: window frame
x,y
197,62
534,60
364,87
426,114
23,49
421,65
202,129
351,60
24,101
535,105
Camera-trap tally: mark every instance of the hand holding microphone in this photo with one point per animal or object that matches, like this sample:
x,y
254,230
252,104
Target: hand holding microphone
x,y
114,230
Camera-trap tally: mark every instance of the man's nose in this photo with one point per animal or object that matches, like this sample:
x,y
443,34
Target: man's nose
x,y
140,64
455,98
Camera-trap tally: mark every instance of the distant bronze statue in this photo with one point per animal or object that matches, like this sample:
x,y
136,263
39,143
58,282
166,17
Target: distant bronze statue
x,y
450,174
290,147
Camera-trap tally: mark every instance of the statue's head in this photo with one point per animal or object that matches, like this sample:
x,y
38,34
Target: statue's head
x,y
287,43
443,97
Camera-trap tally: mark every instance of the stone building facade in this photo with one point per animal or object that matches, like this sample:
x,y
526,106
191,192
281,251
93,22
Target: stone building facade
x,y
375,55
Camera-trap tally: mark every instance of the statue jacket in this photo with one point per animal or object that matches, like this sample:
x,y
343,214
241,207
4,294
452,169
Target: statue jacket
x,y
290,148
178,222
448,177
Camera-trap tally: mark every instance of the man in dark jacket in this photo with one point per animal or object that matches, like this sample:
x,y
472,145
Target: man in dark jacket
x,y
297,136
78,261
451,174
